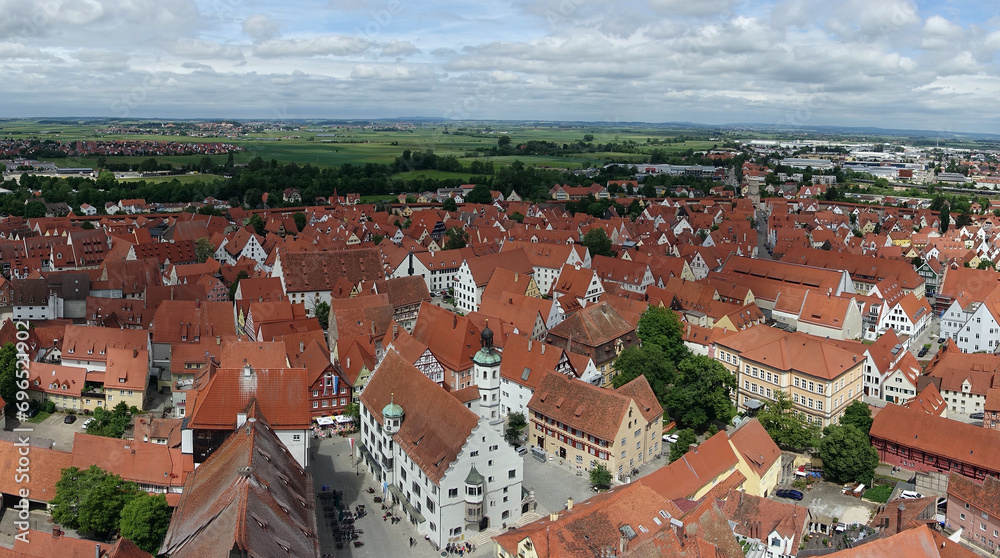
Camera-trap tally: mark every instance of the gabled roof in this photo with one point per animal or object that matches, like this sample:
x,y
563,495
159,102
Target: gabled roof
x,y
525,361
280,393
699,466
452,338
150,464
593,326
46,469
756,446
956,440
426,407
250,495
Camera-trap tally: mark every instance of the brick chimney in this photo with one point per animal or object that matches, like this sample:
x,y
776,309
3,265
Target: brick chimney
x,y
56,530
899,517
569,504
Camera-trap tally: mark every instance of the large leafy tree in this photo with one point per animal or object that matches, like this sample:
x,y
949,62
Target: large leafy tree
x,y
597,241
91,500
847,454
685,438
480,193
515,424
647,360
661,327
8,376
322,311
449,204
701,393
144,521
456,238
786,429
203,249
600,476
859,415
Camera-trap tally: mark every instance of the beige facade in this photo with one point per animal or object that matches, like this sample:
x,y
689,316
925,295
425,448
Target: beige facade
x,y
636,443
822,379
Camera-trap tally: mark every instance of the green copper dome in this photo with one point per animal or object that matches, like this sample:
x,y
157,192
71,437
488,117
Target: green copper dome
x,y
392,410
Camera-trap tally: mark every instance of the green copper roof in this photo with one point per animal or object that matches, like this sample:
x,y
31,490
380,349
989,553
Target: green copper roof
x,y
474,477
487,357
392,410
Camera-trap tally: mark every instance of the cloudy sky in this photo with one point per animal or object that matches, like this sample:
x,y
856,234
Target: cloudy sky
x,y
925,64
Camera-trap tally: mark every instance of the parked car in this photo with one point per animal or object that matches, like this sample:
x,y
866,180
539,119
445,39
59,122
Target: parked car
x,y
70,419
788,493
940,340
670,438
923,351
522,451
977,416
87,422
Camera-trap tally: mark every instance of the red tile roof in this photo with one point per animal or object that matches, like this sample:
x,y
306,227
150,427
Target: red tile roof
x,y
426,407
150,464
46,469
280,393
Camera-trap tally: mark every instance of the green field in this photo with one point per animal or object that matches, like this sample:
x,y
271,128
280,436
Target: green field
x,y
436,174
303,143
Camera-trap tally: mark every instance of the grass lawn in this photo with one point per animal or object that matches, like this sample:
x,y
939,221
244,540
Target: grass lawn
x,y
37,419
463,176
879,493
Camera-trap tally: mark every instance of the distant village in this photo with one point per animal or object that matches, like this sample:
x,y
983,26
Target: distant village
x,y
248,345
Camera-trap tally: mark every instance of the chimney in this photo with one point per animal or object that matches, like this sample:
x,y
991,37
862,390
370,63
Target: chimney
x,y
395,331
454,321
693,447
554,516
241,418
97,551
543,348
899,517
56,530
373,328
569,504
302,346
529,345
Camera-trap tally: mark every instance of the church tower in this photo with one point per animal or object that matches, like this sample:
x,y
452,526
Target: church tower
x,y
486,371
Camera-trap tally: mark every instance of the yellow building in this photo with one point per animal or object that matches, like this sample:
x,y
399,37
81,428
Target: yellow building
x,y
587,426
73,388
821,377
759,458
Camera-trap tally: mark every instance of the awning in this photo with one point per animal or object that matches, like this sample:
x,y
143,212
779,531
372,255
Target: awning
x,y
373,463
414,514
324,421
343,419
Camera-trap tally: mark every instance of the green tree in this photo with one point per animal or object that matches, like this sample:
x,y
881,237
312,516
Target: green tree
x,y
685,438
480,193
111,424
515,424
516,216
354,411
859,415
785,428
945,218
106,181
456,238
647,360
661,327
322,312
8,377
144,520
600,477
300,220
203,249
701,393
91,501
848,455
257,222
503,141
597,241
449,204
236,284
34,209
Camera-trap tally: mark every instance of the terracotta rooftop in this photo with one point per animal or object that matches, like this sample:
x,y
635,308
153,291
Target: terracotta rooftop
x,y
426,407
956,440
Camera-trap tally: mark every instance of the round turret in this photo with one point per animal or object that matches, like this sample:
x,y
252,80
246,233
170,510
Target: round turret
x,y
392,416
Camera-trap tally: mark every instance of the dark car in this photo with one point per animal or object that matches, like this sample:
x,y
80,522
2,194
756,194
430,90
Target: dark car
x,y
977,416
788,493
923,351
940,340
70,419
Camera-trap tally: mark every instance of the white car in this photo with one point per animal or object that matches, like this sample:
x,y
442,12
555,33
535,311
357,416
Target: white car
x,y
670,438
87,422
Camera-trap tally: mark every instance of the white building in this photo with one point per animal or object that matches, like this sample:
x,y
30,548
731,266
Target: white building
x,y
974,327
447,468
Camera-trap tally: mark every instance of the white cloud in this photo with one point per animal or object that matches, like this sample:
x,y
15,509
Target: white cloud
x,y
203,50
260,27
14,51
399,48
331,45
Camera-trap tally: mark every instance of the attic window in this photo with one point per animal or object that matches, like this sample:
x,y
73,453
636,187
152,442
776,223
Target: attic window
x,y
524,375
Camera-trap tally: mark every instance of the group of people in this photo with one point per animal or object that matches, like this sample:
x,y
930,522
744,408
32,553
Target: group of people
x,y
460,549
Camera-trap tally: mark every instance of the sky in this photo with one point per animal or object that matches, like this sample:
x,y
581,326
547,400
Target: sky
x,y
916,64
